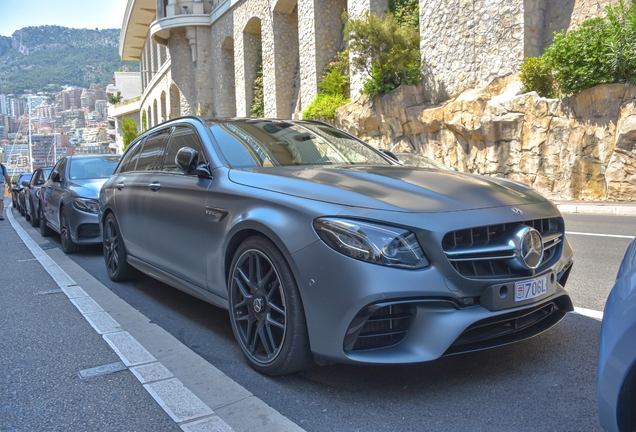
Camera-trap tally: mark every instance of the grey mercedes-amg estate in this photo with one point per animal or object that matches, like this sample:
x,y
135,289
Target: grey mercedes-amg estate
x,y
325,249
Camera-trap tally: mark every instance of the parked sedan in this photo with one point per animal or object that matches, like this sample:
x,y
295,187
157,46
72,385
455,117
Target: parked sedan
x,y
32,194
16,188
323,248
617,351
68,199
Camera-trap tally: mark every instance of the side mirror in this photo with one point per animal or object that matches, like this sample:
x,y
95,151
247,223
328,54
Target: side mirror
x,y
55,176
25,183
391,155
187,159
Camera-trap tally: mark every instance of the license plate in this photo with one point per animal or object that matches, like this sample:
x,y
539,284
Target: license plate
x,y
530,289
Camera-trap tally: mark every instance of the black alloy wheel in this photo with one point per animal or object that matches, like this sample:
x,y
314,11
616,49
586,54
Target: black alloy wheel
x,y
115,253
266,310
35,221
68,245
21,209
45,230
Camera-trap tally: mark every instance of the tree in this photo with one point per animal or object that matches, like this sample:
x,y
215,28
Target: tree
x,y
129,129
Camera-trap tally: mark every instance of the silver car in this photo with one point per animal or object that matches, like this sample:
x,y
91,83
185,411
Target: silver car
x,y
617,351
325,249
68,199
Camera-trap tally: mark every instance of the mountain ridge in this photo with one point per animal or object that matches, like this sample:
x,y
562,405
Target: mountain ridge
x,y
47,58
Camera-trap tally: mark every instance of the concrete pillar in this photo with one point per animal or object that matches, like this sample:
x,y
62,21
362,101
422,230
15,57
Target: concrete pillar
x,y
286,58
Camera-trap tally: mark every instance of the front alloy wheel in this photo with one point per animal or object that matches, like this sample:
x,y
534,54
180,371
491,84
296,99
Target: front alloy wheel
x,y
266,310
114,252
68,245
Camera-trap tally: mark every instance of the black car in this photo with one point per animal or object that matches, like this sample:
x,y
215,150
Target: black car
x,y
68,199
32,194
16,189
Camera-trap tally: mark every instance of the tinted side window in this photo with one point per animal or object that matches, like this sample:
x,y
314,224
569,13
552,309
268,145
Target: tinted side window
x,y
129,161
152,152
181,137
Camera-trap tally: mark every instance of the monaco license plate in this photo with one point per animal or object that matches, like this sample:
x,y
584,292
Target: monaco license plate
x,y
531,288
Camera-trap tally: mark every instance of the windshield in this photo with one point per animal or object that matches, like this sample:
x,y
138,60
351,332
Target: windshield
x,y
93,167
258,143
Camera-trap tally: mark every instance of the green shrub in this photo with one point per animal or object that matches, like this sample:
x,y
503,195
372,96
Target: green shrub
x,y
336,79
536,75
258,103
600,51
324,106
406,12
129,130
387,51
144,122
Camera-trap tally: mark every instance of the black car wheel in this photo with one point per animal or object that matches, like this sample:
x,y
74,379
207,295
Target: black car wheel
x,y
21,210
68,245
45,230
35,221
115,252
266,310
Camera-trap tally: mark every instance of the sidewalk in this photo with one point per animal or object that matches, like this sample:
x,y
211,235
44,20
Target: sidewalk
x,y
627,208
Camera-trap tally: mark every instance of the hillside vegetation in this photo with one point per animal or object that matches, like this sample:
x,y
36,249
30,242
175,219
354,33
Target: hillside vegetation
x,y
46,58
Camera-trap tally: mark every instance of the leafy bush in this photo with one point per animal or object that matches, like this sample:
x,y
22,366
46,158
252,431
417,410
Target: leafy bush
x,y
324,106
129,130
536,75
406,12
258,103
387,51
336,79
600,51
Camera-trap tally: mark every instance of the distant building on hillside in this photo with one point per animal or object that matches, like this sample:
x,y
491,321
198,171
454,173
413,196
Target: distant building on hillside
x,y
90,95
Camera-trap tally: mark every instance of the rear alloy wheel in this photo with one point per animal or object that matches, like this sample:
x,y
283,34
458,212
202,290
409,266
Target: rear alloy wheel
x,y
35,221
68,245
115,253
266,310
45,230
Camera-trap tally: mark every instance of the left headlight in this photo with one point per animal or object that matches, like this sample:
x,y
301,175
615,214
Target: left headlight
x,y
86,205
374,243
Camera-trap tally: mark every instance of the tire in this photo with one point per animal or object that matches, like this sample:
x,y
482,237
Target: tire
x,y
115,252
68,245
266,310
21,210
35,221
45,230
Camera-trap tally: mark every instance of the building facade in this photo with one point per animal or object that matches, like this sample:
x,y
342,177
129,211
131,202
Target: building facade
x,y
200,57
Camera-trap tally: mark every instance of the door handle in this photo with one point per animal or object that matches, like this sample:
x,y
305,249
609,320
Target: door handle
x,y
154,186
119,186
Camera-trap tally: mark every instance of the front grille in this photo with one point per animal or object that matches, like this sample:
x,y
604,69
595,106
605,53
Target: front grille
x,y
379,327
484,252
511,327
88,230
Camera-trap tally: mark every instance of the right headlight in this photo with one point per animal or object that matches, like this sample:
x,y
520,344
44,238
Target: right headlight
x,y
374,243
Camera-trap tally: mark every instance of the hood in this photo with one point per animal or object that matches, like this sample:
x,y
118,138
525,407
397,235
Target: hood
x,y
393,188
87,188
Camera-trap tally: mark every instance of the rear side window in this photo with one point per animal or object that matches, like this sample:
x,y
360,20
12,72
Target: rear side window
x,y
129,161
182,136
152,152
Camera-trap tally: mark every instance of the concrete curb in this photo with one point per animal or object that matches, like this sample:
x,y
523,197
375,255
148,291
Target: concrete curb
x,y
597,209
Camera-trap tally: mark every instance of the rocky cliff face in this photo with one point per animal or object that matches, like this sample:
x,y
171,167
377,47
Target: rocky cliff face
x,y
580,148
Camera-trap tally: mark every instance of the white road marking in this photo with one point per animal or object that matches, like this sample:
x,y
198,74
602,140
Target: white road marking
x,y
598,315
599,235
176,400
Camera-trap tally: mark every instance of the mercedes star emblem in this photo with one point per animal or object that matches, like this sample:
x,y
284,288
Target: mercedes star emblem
x,y
528,247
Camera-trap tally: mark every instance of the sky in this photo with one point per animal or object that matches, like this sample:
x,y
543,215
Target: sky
x,y
101,14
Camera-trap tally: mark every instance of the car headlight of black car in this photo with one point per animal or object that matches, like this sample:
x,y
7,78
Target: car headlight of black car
x,y
86,205
374,243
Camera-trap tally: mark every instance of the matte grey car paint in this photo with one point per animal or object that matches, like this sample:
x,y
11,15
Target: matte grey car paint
x,y
167,232
616,390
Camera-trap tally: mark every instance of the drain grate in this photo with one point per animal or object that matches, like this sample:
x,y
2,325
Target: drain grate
x,y
101,370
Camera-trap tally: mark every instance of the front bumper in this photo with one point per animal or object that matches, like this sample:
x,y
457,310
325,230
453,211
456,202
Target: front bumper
x,y
432,318
84,226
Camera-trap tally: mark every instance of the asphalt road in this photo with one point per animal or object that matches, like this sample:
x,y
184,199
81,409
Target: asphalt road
x,y
546,383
